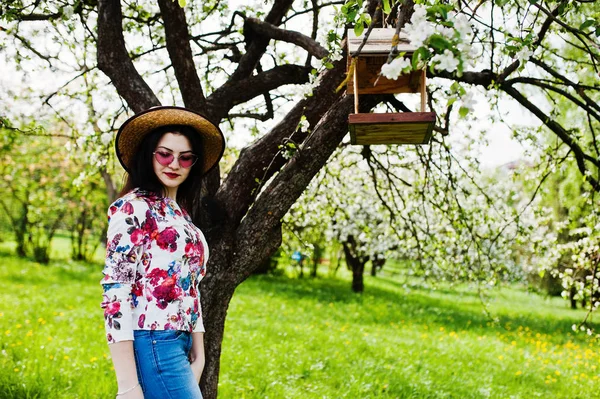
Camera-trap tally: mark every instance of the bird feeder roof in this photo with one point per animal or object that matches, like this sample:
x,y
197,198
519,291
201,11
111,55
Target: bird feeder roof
x,y
378,43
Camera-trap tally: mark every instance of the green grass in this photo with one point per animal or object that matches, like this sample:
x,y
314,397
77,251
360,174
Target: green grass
x,y
303,338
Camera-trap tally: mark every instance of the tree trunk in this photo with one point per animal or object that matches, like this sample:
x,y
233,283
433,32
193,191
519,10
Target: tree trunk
x,y
316,259
376,265
356,263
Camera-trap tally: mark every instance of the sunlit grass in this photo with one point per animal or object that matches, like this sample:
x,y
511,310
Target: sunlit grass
x,y
303,338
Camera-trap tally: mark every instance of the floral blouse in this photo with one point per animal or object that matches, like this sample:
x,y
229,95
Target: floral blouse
x,y
155,259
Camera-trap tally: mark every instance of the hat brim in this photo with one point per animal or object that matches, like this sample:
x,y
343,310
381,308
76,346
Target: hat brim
x,y
133,131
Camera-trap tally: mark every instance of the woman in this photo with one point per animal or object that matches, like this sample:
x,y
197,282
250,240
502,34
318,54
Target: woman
x,y
156,256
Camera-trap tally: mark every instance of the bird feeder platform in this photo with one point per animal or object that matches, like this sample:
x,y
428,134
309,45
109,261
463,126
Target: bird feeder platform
x,y
364,78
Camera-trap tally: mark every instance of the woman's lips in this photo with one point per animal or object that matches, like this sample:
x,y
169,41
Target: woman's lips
x,y
172,175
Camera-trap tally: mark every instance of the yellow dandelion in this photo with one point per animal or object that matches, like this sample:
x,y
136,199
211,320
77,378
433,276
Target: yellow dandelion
x,y
16,370
557,372
19,325
442,328
519,372
29,333
1,314
61,314
500,357
51,357
27,321
92,360
66,357
514,343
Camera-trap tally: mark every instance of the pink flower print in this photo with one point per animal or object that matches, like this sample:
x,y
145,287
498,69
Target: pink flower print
x,y
167,292
137,288
149,224
167,239
137,236
127,208
141,320
109,338
157,274
112,309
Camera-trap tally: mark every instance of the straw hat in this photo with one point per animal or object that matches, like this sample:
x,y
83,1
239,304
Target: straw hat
x,y
134,129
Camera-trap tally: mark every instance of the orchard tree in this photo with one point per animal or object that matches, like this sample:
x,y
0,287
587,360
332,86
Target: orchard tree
x,y
236,65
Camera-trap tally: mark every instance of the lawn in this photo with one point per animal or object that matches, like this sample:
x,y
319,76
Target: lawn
x,y
303,338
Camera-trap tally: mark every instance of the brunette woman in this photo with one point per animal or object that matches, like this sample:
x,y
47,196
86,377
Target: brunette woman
x,y
156,256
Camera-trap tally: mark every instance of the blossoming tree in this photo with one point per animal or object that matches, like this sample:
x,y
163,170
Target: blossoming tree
x,y
235,66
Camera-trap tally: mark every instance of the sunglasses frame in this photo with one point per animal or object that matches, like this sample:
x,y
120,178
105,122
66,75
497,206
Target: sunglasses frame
x,y
178,158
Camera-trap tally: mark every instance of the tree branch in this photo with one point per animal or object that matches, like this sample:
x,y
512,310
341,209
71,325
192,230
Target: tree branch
x,y
237,190
178,45
561,132
114,60
271,31
237,92
255,47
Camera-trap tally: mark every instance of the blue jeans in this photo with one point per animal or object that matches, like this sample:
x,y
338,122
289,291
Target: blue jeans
x,y
163,368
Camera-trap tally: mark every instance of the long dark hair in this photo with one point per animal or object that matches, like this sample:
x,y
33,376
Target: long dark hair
x,y
142,174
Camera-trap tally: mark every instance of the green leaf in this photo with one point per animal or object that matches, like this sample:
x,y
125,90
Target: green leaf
x,y
463,112
386,7
587,24
359,28
182,3
439,43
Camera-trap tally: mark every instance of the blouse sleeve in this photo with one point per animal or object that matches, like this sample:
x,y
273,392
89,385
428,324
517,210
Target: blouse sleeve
x,y
125,238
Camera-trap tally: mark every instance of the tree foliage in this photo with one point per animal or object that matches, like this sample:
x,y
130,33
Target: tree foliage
x,y
236,67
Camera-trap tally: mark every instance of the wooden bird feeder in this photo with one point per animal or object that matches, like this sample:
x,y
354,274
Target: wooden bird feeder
x,y
364,78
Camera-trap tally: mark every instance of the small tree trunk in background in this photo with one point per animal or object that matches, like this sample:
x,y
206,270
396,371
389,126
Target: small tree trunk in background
x,y
356,263
376,265
316,259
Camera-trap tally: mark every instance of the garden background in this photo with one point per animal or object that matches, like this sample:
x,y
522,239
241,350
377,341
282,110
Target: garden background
x,y
464,268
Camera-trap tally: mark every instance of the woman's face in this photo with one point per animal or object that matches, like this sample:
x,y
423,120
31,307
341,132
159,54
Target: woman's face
x,y
172,174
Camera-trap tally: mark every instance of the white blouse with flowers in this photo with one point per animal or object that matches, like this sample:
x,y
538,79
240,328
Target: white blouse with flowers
x,y
155,259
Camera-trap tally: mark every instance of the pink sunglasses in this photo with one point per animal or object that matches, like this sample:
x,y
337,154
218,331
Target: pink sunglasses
x,y
165,158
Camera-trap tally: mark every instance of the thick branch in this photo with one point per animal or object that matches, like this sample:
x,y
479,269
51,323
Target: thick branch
x,y
114,60
180,53
254,160
288,185
271,31
561,132
237,92
255,47
483,78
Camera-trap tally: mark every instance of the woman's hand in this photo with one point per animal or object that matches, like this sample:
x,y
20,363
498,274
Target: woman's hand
x,y
196,355
197,368
135,393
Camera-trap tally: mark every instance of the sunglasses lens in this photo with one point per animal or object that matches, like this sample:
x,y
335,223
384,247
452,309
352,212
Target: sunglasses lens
x,y
163,158
186,161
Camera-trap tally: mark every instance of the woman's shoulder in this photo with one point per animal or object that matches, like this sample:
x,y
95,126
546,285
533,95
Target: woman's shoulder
x,y
134,201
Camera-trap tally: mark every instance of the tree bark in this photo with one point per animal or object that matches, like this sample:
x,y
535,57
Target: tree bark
x,y
356,262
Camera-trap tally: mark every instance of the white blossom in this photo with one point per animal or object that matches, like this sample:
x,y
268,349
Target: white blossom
x,y
524,54
468,101
395,68
67,12
445,61
106,138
